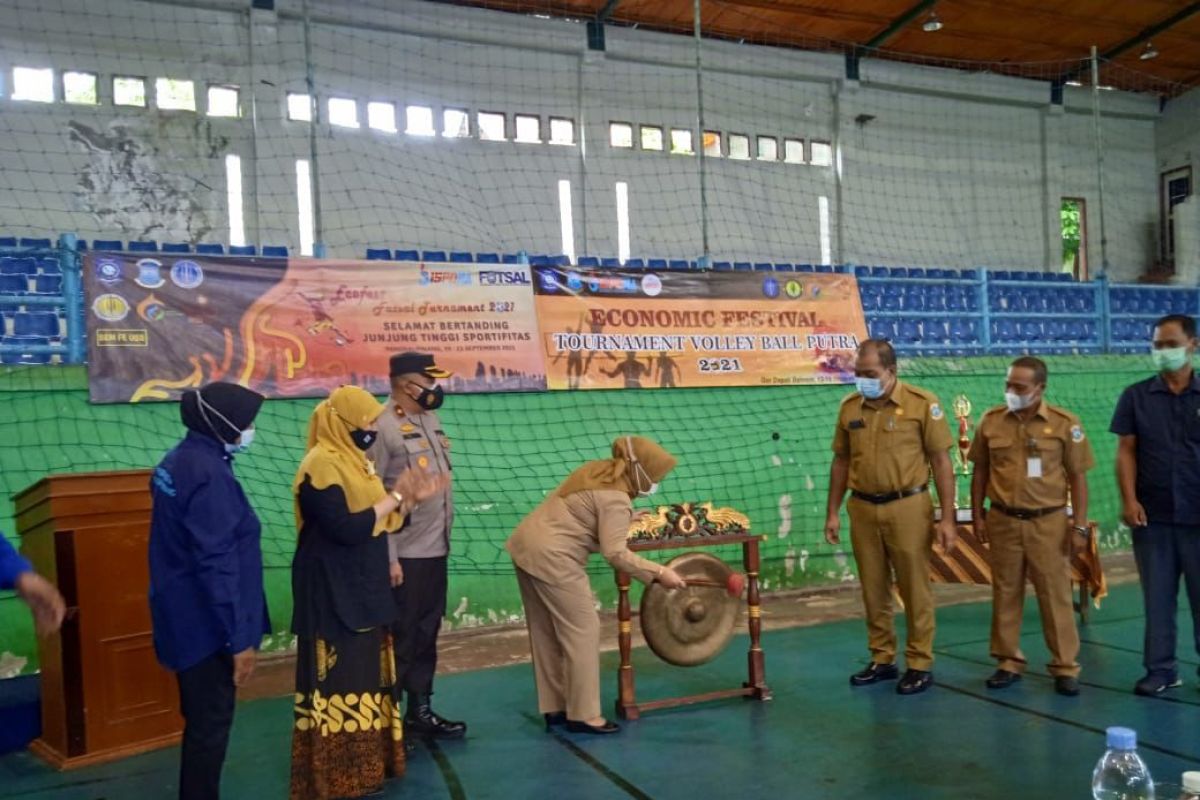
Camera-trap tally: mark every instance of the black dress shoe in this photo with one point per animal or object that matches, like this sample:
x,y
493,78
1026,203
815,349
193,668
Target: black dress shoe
x,y
874,673
422,720
914,681
1002,679
1066,685
555,718
574,726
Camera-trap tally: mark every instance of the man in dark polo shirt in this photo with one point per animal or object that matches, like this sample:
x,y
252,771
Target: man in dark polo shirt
x,y
1158,472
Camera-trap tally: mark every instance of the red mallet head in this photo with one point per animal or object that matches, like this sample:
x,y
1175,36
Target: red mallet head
x,y
735,583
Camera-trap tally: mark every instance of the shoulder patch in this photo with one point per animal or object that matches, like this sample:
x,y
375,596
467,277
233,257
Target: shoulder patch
x,y
935,411
1077,433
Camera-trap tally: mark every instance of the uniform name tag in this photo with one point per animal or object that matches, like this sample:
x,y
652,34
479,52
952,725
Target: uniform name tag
x,y
856,423
1033,467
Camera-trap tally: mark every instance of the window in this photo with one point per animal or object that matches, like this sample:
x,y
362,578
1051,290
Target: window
x,y
681,142
174,95
652,137
419,121
233,195
343,112
456,123
793,151
528,128
712,144
299,107
224,101
562,131
129,92
620,134
739,146
622,221
822,154
304,205
567,217
491,126
382,117
768,148
35,85
80,88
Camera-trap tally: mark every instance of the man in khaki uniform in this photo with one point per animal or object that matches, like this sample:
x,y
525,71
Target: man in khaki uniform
x,y
1027,453
889,435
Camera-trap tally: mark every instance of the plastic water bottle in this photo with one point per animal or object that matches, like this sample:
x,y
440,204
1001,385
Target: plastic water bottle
x,y
1121,774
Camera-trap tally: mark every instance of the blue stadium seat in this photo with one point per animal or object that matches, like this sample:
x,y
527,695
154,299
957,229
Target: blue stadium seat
x,y
24,358
722,266
18,266
963,331
507,258
209,249
408,255
1000,275
935,298
461,257
589,261
379,254
1037,301
243,250
914,272
1003,330
176,247
879,272
434,256
635,264
48,284
679,265
881,329
862,272
784,267
49,266
143,247
742,266
13,284
35,323
540,261
897,272
934,272
805,268
487,258
1030,330
81,245
824,268
35,244
656,263
764,266
935,331
908,331
560,260
913,298
872,297
274,251
610,263
8,241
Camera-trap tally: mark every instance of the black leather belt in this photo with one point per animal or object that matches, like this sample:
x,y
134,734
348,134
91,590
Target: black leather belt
x,y
880,499
1024,513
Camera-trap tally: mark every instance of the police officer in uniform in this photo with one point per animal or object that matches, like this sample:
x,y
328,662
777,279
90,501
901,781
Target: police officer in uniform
x,y
889,435
1027,454
411,435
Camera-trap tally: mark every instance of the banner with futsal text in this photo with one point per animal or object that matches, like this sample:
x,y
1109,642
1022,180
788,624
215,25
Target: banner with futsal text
x,y
158,324
604,329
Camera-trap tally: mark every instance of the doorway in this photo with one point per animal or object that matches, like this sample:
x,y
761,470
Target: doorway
x,y
1073,222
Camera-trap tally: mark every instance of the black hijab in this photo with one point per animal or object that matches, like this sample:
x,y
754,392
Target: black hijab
x,y
237,404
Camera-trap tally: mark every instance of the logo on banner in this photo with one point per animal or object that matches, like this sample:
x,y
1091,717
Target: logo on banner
x,y
616,285
445,276
110,307
187,274
549,281
108,270
652,285
495,277
794,289
149,273
770,288
151,309
574,281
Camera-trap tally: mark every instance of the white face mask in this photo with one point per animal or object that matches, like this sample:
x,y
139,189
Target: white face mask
x,y
246,436
242,444
1018,402
638,472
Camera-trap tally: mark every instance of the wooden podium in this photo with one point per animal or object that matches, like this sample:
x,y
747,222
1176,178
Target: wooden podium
x,y
104,695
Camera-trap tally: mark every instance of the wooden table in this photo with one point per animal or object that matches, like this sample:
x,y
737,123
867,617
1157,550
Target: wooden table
x,y
755,686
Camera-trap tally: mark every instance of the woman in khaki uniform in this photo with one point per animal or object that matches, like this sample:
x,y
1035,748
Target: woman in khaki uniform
x,y
589,513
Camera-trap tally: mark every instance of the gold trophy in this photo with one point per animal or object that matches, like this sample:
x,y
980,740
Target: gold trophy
x,y
962,411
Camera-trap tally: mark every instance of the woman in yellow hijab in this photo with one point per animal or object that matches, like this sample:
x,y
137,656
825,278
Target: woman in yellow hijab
x,y
347,737
590,512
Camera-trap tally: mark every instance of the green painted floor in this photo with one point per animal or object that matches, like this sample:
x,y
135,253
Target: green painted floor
x,y
816,739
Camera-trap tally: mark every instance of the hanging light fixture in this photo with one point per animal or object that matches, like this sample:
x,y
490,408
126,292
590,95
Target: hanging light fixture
x,y
1149,53
932,23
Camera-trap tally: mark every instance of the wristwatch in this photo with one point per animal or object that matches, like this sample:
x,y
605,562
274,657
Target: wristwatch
x,y
399,498
1083,530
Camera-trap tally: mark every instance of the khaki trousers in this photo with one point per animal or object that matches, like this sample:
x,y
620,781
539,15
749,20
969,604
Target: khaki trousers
x,y
564,639
895,536
1037,549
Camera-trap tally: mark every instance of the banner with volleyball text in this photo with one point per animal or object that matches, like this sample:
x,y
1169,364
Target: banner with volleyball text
x,y
605,329
158,324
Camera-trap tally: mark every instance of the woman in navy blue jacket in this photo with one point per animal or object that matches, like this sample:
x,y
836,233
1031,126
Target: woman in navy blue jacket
x,y
206,575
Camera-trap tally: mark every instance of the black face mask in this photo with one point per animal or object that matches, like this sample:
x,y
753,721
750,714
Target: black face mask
x,y
431,399
364,439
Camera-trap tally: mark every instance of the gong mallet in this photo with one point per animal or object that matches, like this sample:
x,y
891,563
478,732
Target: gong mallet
x,y
733,585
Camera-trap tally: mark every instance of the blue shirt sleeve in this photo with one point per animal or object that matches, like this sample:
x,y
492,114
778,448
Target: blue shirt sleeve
x,y
1124,422
12,565
211,519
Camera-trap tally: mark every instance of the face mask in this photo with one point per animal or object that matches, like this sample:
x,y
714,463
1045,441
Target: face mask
x,y
243,444
870,388
430,399
1017,402
1170,359
652,490
638,472
364,439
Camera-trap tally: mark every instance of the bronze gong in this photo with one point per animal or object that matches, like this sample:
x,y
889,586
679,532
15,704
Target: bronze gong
x,y
690,626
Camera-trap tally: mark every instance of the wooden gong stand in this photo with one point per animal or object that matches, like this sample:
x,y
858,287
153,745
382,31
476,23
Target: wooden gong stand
x,y
756,686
